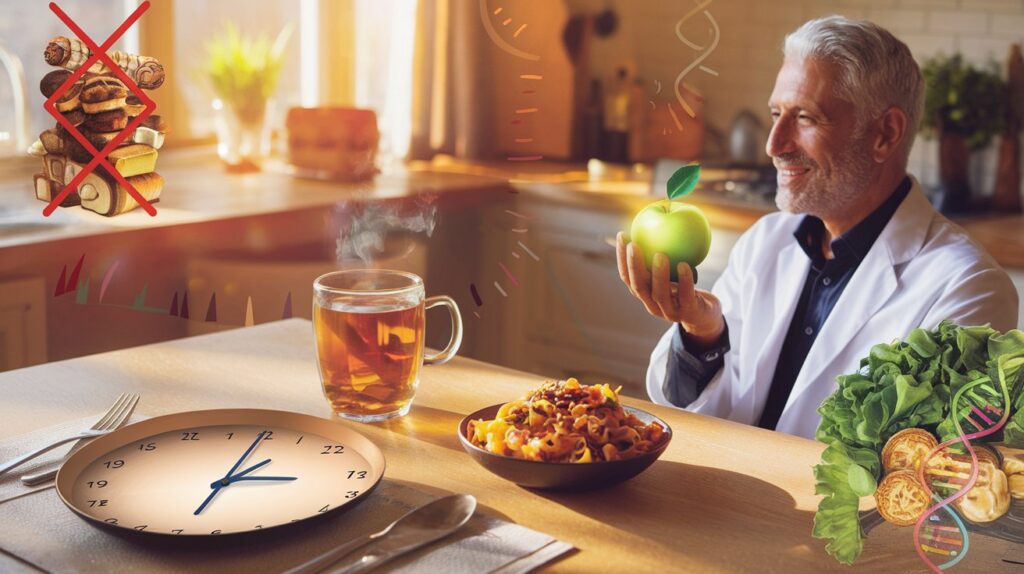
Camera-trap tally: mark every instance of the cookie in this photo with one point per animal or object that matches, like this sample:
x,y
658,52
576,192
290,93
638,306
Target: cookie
x,y
102,93
76,116
50,82
70,100
133,106
108,121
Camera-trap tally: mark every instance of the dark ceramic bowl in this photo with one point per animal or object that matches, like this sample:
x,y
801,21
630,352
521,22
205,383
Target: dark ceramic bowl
x,y
559,475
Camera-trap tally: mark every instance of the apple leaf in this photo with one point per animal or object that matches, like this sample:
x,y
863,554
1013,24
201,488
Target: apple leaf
x,y
683,180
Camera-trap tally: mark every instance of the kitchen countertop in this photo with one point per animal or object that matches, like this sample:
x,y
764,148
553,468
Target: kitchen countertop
x,y
713,502
200,190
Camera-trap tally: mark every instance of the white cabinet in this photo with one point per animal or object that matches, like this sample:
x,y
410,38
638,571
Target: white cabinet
x,y
572,315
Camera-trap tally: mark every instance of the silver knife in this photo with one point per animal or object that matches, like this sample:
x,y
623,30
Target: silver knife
x,y
419,527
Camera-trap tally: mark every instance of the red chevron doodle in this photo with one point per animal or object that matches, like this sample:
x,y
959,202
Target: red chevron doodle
x,y
99,53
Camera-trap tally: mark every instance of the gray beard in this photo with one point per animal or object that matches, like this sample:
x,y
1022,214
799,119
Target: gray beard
x,y
827,198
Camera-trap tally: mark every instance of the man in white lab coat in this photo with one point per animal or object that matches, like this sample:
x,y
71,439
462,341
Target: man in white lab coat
x,y
857,256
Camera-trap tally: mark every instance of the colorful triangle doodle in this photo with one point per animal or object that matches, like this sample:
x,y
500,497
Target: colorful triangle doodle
x,y
60,283
286,313
82,296
140,299
248,312
73,280
174,305
107,278
184,306
211,311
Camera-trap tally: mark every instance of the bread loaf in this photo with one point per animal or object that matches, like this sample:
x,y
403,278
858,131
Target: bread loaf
x,y
47,189
103,195
134,159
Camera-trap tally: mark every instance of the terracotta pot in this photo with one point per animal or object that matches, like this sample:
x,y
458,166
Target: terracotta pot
x,y
954,193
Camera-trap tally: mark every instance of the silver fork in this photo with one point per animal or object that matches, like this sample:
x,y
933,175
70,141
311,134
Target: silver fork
x,y
114,417
41,476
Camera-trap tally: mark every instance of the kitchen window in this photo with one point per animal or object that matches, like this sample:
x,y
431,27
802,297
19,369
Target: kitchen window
x,y
341,53
25,29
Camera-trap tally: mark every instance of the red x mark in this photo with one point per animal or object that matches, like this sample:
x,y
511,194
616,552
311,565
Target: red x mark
x,y
99,158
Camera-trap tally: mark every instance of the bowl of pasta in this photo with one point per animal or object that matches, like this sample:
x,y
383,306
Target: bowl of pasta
x,y
564,435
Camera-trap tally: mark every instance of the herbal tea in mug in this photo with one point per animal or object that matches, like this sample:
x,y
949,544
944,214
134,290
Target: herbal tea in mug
x,y
370,327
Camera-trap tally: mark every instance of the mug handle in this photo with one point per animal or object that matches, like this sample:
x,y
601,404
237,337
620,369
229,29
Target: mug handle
x,y
455,342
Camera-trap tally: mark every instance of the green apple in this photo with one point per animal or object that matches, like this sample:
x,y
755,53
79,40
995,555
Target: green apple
x,y
677,229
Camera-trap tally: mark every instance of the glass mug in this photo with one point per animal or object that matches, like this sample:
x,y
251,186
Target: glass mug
x,y
369,327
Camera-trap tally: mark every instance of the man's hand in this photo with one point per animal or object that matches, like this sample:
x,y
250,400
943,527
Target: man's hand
x,y
698,311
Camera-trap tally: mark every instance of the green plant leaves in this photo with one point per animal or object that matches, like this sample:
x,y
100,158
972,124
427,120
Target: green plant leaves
x,y
963,99
683,180
861,481
904,384
244,72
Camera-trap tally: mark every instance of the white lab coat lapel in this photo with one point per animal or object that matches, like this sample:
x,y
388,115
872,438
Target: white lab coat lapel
x,y
789,272
902,237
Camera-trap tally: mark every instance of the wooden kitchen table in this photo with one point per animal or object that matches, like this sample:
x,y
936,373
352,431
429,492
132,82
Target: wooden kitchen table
x,y
723,497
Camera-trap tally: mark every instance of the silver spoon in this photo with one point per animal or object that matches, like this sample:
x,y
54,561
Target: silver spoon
x,y
418,527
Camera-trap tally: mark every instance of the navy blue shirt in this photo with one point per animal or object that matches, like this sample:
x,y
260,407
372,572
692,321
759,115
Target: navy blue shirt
x,y
825,282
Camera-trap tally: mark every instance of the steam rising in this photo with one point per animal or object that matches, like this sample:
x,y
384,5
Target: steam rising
x,y
384,229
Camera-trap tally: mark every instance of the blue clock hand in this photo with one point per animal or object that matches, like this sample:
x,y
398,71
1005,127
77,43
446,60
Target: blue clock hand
x,y
259,437
216,488
241,478
250,469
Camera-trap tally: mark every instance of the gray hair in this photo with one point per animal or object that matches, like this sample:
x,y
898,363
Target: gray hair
x,y
876,70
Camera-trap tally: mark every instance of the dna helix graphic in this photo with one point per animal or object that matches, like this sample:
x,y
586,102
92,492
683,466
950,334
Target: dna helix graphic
x,y
951,470
705,51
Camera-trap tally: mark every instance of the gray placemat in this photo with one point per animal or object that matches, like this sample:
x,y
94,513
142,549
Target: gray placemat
x,y
10,483
39,529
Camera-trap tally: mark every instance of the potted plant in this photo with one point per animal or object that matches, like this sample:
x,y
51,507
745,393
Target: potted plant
x,y
964,107
244,74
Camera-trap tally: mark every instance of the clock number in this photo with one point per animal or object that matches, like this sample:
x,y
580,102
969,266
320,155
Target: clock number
x,y
352,494
300,439
141,527
147,446
268,435
111,521
338,449
178,531
357,473
324,509
102,502
230,434
215,531
114,463
258,526
97,484
189,436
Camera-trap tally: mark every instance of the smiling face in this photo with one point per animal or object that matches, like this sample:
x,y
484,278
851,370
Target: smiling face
x,y
821,153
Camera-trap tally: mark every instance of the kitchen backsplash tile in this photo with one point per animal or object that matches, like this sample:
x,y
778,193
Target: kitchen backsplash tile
x,y
751,34
959,22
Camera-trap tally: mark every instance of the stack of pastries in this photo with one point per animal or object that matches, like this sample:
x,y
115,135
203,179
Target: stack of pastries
x,y
100,106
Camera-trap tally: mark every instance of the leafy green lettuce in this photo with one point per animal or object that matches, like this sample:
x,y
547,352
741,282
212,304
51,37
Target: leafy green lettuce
x,y
902,385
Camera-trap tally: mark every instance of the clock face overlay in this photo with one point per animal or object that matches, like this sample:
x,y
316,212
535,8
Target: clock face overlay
x,y
219,472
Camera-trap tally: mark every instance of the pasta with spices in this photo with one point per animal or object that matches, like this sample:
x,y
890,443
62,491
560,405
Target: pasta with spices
x,y
564,421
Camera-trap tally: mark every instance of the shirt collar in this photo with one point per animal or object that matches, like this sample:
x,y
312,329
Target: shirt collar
x,y
855,243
